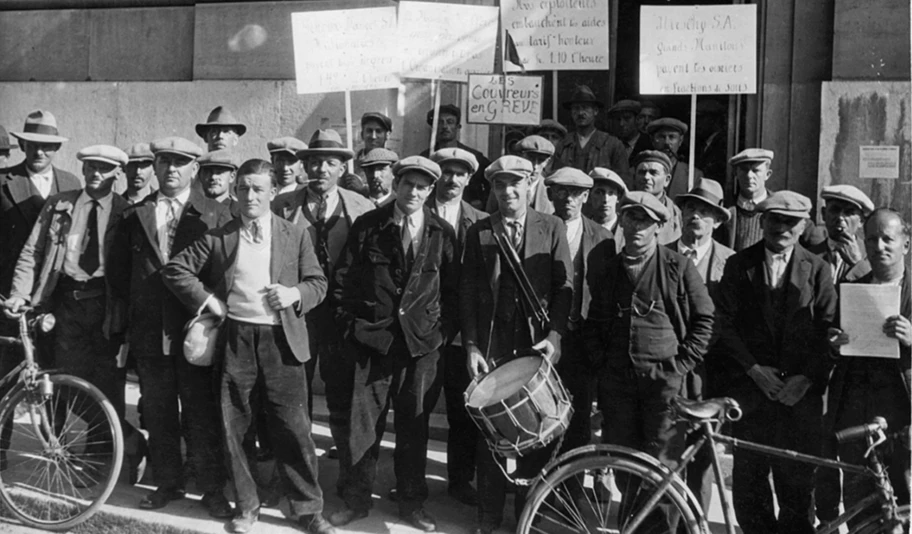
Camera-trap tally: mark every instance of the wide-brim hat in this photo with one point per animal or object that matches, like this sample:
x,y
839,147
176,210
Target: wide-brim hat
x,y
40,127
583,95
201,339
708,192
220,117
326,143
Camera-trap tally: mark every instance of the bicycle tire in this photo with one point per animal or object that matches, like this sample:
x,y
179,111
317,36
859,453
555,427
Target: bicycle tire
x,y
61,489
540,514
871,524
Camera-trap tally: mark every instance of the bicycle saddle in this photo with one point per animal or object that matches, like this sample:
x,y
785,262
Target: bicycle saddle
x,y
708,409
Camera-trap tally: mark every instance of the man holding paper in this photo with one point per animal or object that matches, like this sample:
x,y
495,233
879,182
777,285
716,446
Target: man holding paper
x,y
862,388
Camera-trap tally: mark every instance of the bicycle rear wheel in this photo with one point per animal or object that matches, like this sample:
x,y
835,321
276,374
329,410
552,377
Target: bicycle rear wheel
x,y
60,454
600,495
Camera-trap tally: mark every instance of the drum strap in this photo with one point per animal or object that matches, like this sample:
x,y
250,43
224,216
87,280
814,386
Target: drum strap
x,y
541,473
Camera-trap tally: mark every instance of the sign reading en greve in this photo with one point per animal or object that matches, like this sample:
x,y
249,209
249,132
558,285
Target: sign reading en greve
x,y
504,99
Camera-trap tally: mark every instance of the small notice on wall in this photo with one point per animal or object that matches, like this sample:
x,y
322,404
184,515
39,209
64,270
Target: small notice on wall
x,y
878,162
500,99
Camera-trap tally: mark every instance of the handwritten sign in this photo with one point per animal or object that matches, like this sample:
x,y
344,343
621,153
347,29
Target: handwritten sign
x,y
352,49
504,99
698,49
557,34
446,41
878,162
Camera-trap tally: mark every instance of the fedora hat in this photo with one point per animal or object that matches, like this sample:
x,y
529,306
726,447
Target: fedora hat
x,y
709,192
40,127
201,338
326,143
220,117
583,95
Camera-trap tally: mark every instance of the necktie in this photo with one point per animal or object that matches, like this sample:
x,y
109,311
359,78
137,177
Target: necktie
x,y
171,225
256,231
516,234
407,244
692,254
321,209
89,261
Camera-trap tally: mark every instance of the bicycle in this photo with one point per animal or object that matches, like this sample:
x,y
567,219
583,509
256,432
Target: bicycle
x,y
604,489
61,444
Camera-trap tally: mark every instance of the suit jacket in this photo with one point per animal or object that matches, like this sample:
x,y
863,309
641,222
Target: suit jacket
x,y
136,262
370,298
602,150
41,261
718,257
207,267
747,322
546,261
538,200
19,210
818,245
682,293
597,247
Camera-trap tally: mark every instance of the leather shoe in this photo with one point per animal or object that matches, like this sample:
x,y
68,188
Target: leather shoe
x,y
217,505
420,519
464,493
316,524
243,523
346,516
160,498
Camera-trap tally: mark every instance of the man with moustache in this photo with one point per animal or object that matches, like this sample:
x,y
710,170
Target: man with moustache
x,y
218,170
775,303
667,134
378,170
840,241
587,147
607,190
752,168
396,292
449,124
624,114
649,112
178,397
139,173
221,131
539,152
289,170
652,172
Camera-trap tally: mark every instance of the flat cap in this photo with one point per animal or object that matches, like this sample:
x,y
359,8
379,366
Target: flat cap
x,y
4,140
550,124
449,109
458,155
379,156
645,201
601,174
140,152
570,177
512,165
104,153
285,144
850,194
326,143
219,158
653,156
220,116
535,144
752,154
625,106
666,123
376,116
787,203
176,145
417,164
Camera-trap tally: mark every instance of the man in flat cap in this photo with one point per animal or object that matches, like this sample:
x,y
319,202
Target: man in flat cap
x,y
327,212
607,191
375,131
652,172
217,172
403,260
289,169
539,152
554,132
591,246
377,165
5,148
178,398
623,115
140,175
221,130
667,134
701,213
259,273
841,240
448,127
650,323
587,147
752,168
775,303
494,322
456,169
649,112
712,140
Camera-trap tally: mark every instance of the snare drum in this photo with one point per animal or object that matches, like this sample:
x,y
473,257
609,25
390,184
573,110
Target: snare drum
x,y
520,406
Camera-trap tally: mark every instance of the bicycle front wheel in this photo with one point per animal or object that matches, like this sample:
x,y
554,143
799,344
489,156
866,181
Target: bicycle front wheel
x,y
875,524
602,495
60,453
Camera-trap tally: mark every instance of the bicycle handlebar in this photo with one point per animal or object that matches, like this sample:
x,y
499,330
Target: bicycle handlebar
x,y
857,432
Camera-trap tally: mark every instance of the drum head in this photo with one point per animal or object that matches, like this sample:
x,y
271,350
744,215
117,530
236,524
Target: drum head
x,y
504,381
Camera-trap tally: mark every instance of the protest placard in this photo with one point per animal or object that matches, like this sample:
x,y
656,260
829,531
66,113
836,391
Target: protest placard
x,y
352,49
878,161
504,99
698,49
557,34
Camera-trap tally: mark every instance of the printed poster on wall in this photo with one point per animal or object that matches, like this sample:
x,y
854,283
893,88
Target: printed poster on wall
x,y
504,99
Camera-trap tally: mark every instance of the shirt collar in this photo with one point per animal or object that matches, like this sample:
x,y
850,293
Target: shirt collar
x,y
103,202
454,203
46,174
770,255
415,219
522,221
265,220
181,197
574,225
701,250
751,204
313,196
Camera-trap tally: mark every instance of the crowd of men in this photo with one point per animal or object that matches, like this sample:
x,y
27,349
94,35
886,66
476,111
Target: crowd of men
x,y
390,281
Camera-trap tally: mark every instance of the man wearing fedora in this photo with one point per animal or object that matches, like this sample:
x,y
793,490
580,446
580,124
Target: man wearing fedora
x,y
179,400
221,130
260,273
377,165
217,173
289,169
139,174
449,124
539,152
587,147
624,116
752,168
651,174
701,213
5,148
776,302
667,134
